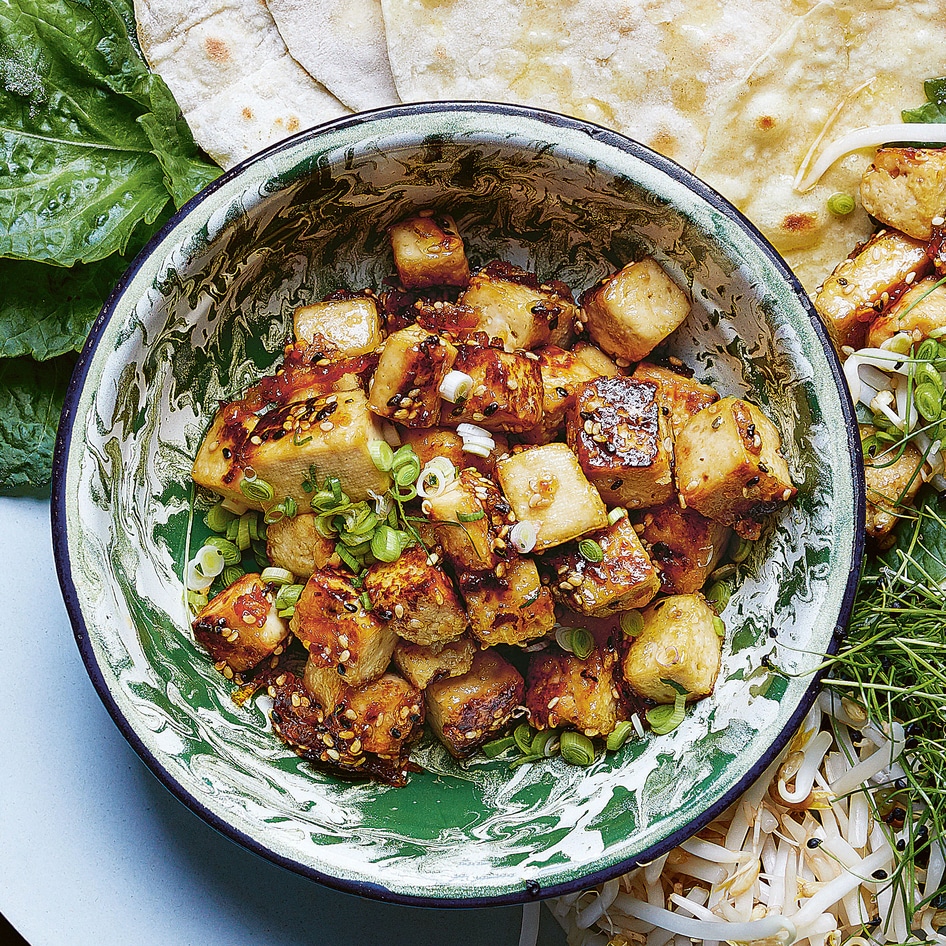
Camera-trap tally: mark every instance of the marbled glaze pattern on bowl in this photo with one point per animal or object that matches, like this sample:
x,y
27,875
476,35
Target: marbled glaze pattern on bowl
x,y
206,309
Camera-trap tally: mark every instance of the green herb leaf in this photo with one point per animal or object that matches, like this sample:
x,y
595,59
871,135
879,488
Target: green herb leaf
x,y
934,109
98,142
31,397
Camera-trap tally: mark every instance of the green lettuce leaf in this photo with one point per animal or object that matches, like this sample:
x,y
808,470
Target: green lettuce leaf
x,y
93,142
31,397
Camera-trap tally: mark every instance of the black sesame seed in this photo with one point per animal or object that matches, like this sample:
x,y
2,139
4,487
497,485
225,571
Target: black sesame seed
x,y
490,409
814,842
617,484
586,415
227,453
561,392
395,401
880,874
351,606
533,888
341,670
901,844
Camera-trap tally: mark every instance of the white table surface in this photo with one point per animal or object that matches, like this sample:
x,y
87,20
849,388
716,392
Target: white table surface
x,y
94,850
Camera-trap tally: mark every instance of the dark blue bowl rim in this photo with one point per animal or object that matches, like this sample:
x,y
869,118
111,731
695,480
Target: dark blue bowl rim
x,y
530,891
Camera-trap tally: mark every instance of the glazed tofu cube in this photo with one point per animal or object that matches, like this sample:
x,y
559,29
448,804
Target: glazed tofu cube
x,y
892,483
546,485
920,310
729,466
905,188
625,578
599,363
630,313
365,725
510,605
622,441
506,393
430,442
684,546
678,643
513,306
468,517
679,396
415,598
562,372
330,433
466,711
333,625
239,627
563,690
858,289
421,664
428,251
217,465
294,543
348,322
406,383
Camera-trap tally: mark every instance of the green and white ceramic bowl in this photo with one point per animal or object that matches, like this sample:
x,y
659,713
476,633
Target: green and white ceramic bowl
x,y
206,309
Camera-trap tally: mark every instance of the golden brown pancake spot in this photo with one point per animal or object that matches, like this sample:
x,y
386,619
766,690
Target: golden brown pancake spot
x,y
248,113
766,123
217,50
292,124
799,223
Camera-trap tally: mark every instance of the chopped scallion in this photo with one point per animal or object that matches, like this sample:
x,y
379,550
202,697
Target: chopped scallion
x,y
576,748
590,550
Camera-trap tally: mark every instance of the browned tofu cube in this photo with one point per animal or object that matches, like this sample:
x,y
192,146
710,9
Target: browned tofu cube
x,y
564,690
430,442
678,643
562,372
294,543
466,711
469,516
600,364
684,546
546,486
332,623
892,484
330,433
428,251
367,729
630,313
348,322
506,393
625,578
878,270
406,384
512,305
622,441
918,312
510,605
905,188
730,468
239,627
679,396
415,598
421,664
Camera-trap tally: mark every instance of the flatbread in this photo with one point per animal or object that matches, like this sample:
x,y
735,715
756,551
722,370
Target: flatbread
x,y
653,69
341,43
231,73
844,65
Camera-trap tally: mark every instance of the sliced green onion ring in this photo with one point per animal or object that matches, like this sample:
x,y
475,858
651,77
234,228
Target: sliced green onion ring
x,y
455,386
718,594
255,489
523,536
719,626
277,576
231,554
231,574
497,747
631,623
590,550
576,640
619,735
665,718
576,748
616,515
382,456
219,517
471,516
385,544
545,743
523,736
288,596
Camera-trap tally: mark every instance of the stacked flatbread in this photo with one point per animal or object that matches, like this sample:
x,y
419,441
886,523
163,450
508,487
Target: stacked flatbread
x,y
738,90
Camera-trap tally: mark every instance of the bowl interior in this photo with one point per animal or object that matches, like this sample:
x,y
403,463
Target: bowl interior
x,y
206,310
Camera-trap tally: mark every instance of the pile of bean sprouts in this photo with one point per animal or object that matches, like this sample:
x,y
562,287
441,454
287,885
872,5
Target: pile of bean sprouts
x,y
802,857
